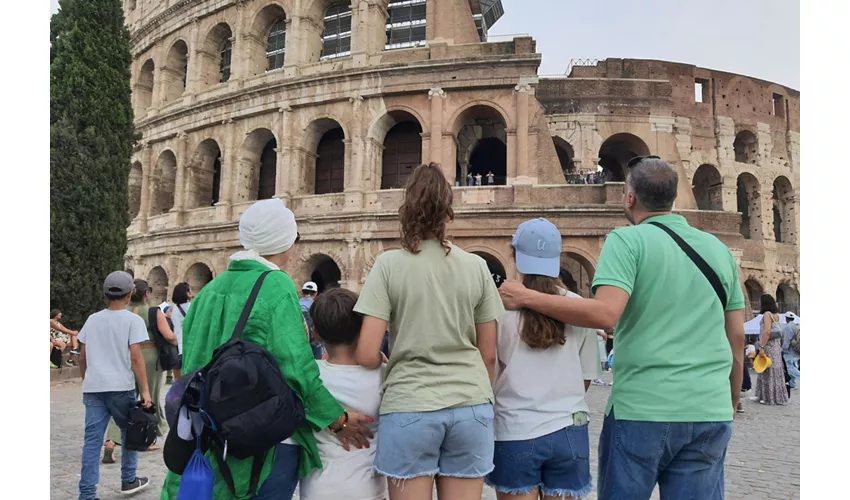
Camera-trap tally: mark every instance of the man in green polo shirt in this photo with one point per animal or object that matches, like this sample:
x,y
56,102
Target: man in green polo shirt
x,y
679,360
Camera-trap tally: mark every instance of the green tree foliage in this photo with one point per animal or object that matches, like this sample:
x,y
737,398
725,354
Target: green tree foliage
x,y
91,143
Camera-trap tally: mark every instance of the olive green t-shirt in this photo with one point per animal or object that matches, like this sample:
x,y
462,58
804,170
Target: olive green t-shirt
x,y
672,359
432,302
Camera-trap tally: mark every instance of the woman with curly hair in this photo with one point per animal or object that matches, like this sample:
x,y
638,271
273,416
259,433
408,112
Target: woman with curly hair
x,y
436,415
545,368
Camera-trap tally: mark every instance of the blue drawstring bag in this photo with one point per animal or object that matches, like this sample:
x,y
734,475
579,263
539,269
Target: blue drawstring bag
x,y
198,479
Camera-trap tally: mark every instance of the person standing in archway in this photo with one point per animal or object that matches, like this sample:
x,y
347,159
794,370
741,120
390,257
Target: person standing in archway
x,y
478,179
441,305
491,179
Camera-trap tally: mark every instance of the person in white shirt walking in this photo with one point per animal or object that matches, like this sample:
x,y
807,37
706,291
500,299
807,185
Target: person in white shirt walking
x,y
182,298
344,473
545,367
111,342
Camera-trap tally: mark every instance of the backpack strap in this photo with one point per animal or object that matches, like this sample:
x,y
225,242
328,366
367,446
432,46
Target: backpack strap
x,y
703,266
256,470
246,311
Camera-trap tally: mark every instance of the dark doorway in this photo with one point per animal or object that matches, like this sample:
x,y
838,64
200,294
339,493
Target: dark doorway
x,y
490,155
497,270
402,153
330,162
216,180
268,171
326,275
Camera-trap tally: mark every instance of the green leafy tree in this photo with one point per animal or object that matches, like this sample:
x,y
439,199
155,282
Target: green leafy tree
x,y
91,143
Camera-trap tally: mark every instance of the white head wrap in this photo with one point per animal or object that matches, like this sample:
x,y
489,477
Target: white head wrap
x,y
267,227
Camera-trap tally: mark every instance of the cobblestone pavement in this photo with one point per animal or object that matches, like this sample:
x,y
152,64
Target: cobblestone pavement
x,y
763,461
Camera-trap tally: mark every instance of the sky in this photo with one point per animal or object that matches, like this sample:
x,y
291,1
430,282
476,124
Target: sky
x,y
758,38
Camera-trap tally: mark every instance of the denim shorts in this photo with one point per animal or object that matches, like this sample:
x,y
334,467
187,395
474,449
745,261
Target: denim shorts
x,y
454,442
558,463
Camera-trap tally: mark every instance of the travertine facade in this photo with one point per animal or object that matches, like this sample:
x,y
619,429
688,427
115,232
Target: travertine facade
x,y
306,100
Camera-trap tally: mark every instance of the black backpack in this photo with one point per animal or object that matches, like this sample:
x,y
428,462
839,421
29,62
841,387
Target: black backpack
x,y
142,424
168,354
246,404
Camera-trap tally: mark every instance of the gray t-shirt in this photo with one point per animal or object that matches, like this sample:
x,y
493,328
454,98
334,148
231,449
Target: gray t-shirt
x,y
107,336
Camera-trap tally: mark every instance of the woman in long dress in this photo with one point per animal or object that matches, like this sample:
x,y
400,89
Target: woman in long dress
x,y
770,387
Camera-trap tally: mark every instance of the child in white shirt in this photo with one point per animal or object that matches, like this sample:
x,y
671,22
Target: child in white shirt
x,y
344,474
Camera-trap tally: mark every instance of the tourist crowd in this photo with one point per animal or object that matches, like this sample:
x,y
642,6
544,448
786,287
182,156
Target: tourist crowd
x,y
480,384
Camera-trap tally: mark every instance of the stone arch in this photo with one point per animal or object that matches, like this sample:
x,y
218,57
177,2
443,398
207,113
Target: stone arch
x,y
204,175
257,169
754,292
324,140
266,40
496,111
784,211
158,281
174,72
215,55
163,183
143,89
615,153
481,134
788,298
577,270
380,125
566,157
325,270
708,188
495,265
135,189
749,205
401,135
746,146
198,275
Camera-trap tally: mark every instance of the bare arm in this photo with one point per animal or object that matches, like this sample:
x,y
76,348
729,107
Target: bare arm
x,y
60,327
766,323
736,337
485,339
82,361
164,329
138,363
586,385
602,312
368,353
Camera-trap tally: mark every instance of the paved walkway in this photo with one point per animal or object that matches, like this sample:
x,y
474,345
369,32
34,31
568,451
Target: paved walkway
x,y
763,460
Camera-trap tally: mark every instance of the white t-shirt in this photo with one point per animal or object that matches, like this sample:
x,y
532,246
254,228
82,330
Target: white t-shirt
x,y
538,390
107,336
357,389
177,320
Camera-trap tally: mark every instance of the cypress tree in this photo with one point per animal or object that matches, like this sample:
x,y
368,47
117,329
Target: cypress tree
x,y
91,143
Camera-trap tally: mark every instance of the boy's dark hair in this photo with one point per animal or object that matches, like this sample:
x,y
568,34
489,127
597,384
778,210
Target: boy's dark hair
x,y
334,317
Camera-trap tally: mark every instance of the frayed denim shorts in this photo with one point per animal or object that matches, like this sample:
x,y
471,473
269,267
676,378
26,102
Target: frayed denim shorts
x,y
557,463
454,442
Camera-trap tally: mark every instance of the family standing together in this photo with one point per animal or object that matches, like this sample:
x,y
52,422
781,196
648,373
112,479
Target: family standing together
x,y
481,384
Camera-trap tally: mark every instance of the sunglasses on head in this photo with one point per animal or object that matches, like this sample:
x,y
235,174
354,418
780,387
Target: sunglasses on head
x,y
637,159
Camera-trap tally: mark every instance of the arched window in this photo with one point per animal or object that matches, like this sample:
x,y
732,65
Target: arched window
x,y
224,67
176,66
204,176
405,24
481,146
330,162
326,273
198,276
708,188
402,153
268,171
615,153
135,189
163,183
336,35
784,211
746,147
276,44
749,205
143,90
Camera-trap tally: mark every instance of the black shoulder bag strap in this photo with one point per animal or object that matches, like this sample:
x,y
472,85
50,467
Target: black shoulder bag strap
x,y
703,266
179,308
246,311
257,465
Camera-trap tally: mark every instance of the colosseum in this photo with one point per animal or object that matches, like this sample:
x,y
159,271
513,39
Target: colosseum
x,y
328,105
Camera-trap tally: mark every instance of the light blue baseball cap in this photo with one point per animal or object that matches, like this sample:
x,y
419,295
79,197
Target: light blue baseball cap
x,y
538,248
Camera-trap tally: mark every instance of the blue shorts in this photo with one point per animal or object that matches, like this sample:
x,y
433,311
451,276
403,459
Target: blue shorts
x,y
558,463
454,442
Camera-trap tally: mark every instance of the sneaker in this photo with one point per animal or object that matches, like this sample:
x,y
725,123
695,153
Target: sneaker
x,y
130,488
52,365
75,351
740,408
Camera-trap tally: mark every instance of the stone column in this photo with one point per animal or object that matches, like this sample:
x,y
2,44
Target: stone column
x,y
229,165
729,194
522,92
238,57
145,202
282,175
437,95
158,80
193,68
180,181
354,157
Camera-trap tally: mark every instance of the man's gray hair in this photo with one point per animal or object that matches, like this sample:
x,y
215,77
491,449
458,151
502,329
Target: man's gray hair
x,y
655,184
